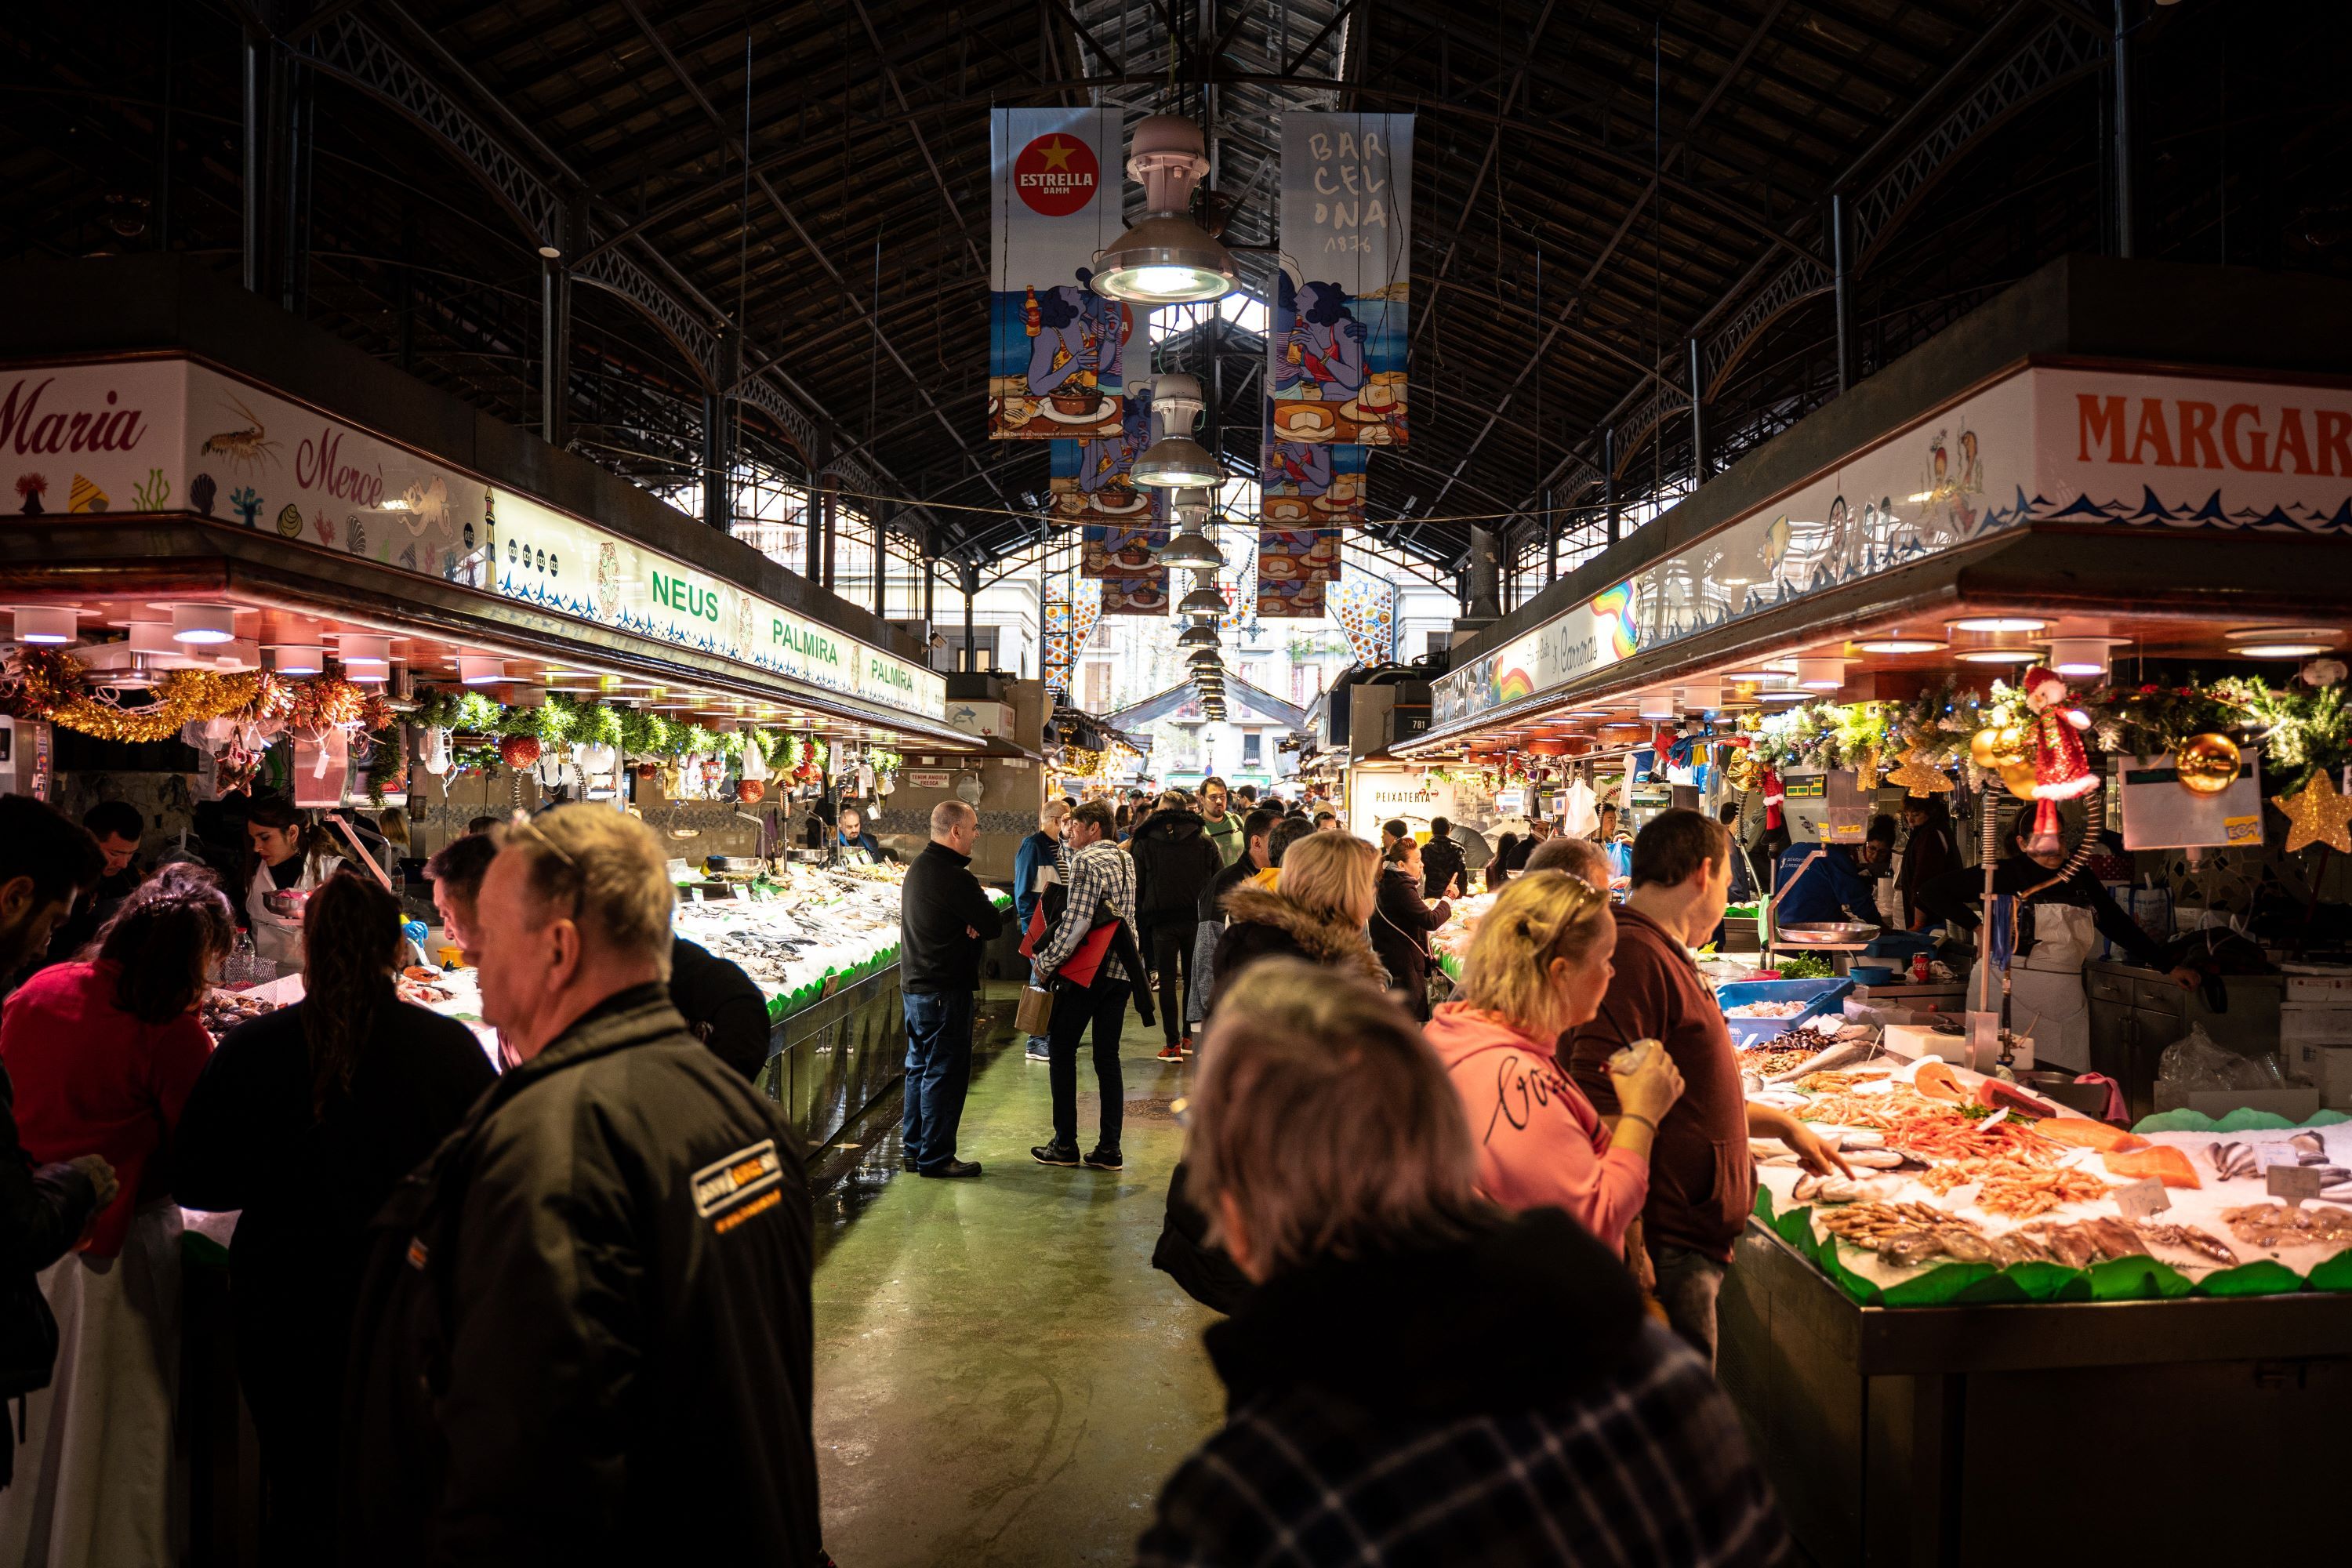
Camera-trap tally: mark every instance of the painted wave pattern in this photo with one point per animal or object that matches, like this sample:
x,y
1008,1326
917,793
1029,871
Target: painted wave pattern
x,y
1670,601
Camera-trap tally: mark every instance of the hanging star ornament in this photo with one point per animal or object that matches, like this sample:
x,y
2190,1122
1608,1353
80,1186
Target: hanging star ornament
x,y
1917,776
2318,816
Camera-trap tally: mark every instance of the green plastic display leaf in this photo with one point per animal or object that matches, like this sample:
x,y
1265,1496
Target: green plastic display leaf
x,y
2264,1278
2241,1120
1864,1292
2335,1274
2033,1282
1937,1288
2135,1279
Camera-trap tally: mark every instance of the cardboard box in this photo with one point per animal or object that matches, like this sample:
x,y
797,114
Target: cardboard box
x,y
988,721
2314,1022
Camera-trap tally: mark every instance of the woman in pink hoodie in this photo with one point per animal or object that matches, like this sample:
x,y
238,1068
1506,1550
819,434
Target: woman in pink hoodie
x,y
1538,968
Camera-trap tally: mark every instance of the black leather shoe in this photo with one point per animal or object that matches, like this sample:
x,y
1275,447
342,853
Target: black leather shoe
x,y
953,1168
1054,1153
1104,1160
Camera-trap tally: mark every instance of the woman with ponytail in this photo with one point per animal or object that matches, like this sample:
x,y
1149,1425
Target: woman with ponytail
x,y
103,1054
306,1119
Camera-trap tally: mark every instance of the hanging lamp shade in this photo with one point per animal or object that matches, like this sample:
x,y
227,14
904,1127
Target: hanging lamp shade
x,y
1191,549
1166,259
1176,461
1204,600
1198,637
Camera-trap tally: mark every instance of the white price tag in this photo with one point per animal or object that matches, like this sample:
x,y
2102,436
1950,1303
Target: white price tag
x,y
2295,1182
694,895
1995,1120
743,894
2278,1153
2138,1200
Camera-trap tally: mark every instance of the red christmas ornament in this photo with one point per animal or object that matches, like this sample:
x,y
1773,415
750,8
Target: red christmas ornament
x,y
646,770
751,792
519,752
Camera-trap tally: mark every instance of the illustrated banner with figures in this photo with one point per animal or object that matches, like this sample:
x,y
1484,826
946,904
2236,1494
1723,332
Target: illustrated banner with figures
x,y
1132,581
1336,349
1311,485
1090,484
1055,348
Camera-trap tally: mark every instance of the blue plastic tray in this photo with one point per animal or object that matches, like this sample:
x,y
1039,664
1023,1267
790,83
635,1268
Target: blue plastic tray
x,y
1819,996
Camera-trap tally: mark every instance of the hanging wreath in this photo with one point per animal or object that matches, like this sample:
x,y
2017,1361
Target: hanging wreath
x,y
329,701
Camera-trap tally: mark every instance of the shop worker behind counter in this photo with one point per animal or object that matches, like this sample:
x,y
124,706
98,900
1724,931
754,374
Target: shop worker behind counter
x,y
945,917
583,1331
722,1006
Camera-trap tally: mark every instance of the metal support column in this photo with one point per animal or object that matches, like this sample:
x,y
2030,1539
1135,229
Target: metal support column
x,y
1843,290
815,572
2123,131
829,511
250,214
1551,540
881,559
1608,479
1484,595
1698,422
971,587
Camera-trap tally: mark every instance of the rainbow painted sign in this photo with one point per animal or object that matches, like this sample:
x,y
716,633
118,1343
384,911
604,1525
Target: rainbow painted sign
x,y
1592,636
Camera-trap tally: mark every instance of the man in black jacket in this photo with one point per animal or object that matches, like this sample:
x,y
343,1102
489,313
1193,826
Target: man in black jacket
x,y
592,1302
1442,868
1209,914
944,917
1174,864
46,864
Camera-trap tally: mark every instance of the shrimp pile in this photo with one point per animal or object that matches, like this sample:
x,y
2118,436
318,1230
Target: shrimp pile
x,y
2014,1192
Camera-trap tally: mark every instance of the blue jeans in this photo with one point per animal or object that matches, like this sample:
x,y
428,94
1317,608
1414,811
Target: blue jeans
x,y
1688,1283
939,1070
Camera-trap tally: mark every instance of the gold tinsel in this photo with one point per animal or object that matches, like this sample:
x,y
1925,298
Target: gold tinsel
x,y
52,691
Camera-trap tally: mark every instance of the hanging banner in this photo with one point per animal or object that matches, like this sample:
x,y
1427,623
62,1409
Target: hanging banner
x,y
1336,347
1055,345
1365,609
1284,588
1061,653
1093,486
1306,484
1132,583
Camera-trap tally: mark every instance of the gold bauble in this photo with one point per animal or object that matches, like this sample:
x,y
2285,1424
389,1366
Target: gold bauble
x,y
1999,748
1742,770
2019,777
2207,764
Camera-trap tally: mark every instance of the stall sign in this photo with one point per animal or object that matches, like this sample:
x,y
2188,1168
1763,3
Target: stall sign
x,y
2158,813
1378,794
1593,635
918,779
170,435
1510,802
2047,444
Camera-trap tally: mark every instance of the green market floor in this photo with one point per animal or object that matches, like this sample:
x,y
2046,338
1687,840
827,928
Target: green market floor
x,y
1001,1376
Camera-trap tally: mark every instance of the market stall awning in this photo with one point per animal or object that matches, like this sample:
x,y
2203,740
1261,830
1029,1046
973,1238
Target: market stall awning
x,y
1241,699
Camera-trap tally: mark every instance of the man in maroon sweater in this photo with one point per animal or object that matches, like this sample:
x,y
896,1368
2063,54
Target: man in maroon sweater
x,y
1702,1179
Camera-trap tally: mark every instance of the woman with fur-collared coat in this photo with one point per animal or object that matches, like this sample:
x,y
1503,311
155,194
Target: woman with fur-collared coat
x,y
1323,896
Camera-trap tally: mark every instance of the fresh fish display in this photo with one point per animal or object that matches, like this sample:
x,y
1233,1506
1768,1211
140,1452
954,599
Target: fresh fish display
x,y
1845,1052
2283,1224
2232,1160
2201,1242
1812,1188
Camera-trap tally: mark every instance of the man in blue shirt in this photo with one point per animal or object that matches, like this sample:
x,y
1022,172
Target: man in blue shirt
x,y
1833,888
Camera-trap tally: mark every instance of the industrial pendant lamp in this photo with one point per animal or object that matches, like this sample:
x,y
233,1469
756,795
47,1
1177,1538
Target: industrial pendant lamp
x,y
1175,461
1204,599
1191,547
1166,259
1203,658
1198,637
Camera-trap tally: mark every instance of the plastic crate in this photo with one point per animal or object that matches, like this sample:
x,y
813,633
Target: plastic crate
x,y
1818,996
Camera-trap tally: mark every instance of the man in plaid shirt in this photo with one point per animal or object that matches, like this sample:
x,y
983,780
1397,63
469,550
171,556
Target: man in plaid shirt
x,y
1101,881
1417,1378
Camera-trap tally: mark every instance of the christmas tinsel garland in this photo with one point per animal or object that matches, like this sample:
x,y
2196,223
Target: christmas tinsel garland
x,y
49,688
2301,728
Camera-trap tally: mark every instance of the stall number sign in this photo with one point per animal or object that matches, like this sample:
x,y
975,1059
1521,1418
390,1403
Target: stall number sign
x,y
919,780
1510,802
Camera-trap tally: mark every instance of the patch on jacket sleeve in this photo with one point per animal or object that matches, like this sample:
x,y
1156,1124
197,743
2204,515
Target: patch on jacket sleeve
x,y
746,1183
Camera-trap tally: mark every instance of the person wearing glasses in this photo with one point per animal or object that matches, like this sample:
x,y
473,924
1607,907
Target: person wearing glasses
x,y
1702,1178
1536,970
592,1299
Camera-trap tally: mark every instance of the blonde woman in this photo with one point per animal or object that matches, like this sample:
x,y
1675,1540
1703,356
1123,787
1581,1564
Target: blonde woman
x,y
1537,969
1317,911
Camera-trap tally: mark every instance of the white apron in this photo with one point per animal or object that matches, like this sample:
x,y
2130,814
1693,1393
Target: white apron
x,y
276,938
95,1477
2046,1000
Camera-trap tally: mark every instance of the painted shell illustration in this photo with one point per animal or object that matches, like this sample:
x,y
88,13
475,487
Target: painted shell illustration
x,y
289,522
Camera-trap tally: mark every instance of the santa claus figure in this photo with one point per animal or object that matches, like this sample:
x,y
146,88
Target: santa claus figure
x,y
2060,770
